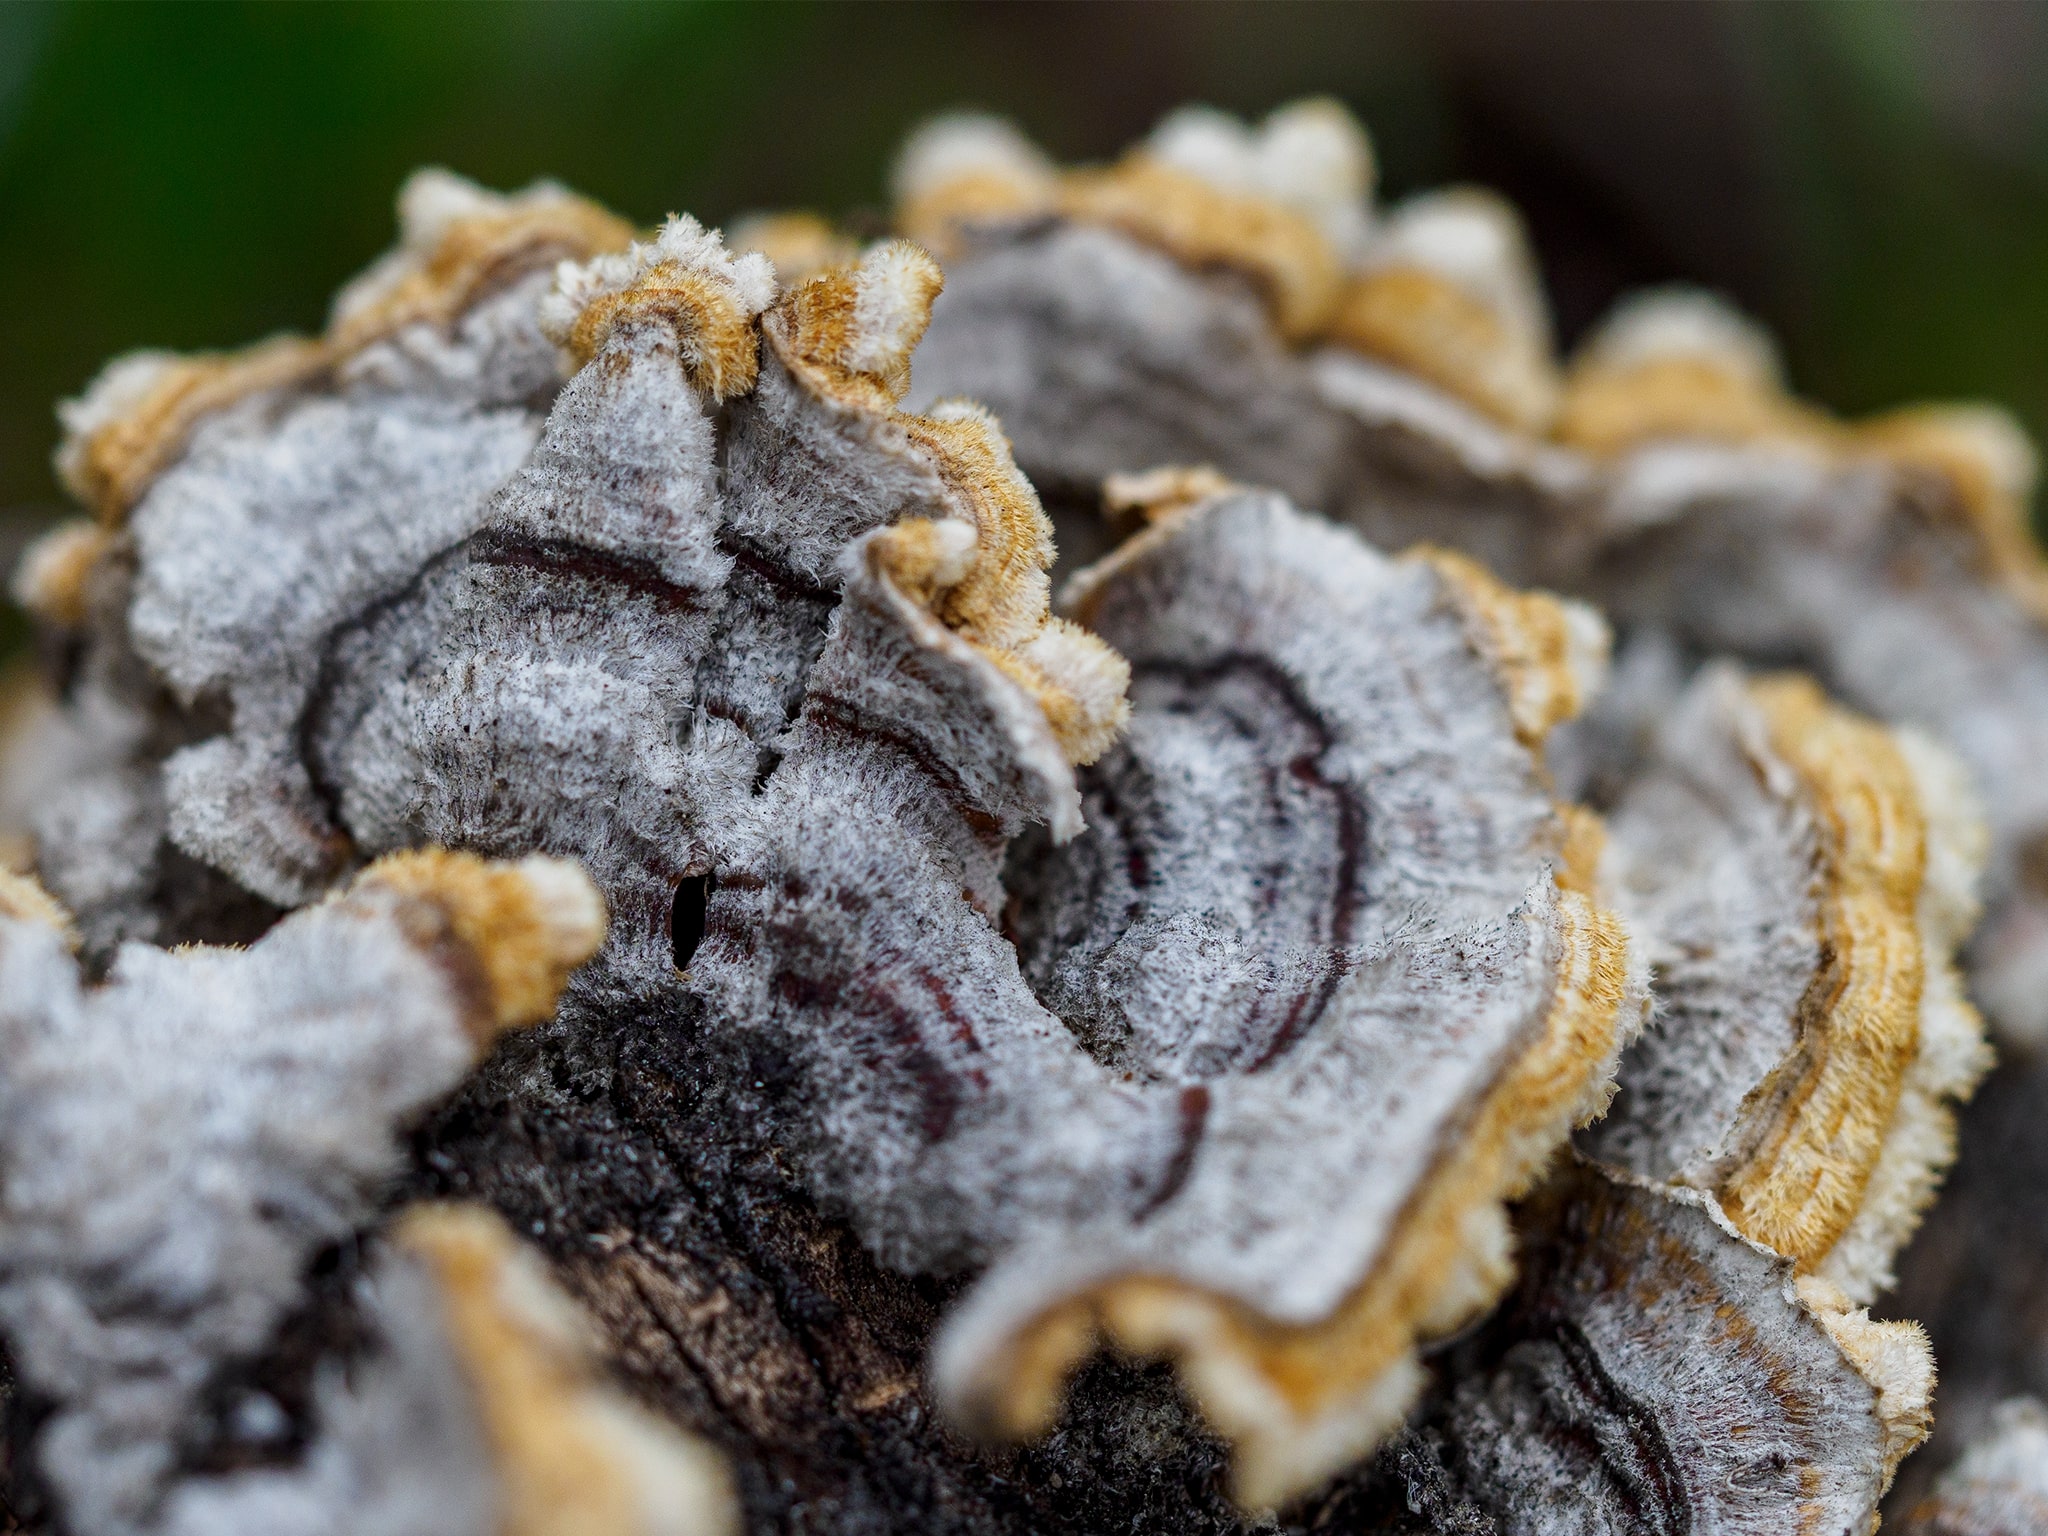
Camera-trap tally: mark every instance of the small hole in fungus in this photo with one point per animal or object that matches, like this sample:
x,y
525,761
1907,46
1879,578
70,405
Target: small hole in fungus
x,y
686,917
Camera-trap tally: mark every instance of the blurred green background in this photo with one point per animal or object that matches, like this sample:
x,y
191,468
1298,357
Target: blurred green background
x,y
1872,178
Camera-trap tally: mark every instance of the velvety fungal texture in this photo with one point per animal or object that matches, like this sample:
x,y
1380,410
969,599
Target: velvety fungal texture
x,y
605,960
224,1116
1279,922
1705,1391
1804,878
1663,472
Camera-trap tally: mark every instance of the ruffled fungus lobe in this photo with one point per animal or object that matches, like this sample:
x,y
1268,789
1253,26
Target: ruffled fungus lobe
x,y
851,334
1802,877
457,245
23,900
1679,364
1279,929
1890,555
1551,655
1670,478
1281,252
222,1115
1282,206
51,580
1999,1487
1102,283
1431,367
263,511
139,413
471,1409
384,671
1448,292
570,1454
1656,1371
683,281
707,595
526,925
963,170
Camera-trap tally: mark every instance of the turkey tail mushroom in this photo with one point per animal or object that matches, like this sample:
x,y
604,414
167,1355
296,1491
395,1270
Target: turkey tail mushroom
x,y
1280,927
223,1115
1656,1370
950,985
1803,878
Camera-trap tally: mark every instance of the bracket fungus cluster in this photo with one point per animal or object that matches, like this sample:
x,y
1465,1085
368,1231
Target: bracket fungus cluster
x,y
636,973
188,1137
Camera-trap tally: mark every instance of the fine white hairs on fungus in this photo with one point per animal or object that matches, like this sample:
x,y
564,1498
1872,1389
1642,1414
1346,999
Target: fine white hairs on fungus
x,y
1665,474
1801,878
337,479
1890,556
179,1141
1405,401
739,619
1655,1370
1325,908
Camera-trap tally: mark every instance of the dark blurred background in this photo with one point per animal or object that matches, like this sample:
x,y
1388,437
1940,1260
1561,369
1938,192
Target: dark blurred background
x,y
1872,178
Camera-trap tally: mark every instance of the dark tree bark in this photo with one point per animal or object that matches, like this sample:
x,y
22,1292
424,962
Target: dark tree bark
x,y
736,1307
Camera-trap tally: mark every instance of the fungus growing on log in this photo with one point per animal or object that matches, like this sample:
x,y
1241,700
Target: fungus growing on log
x,y
1317,920
184,1139
1194,973
1655,1370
